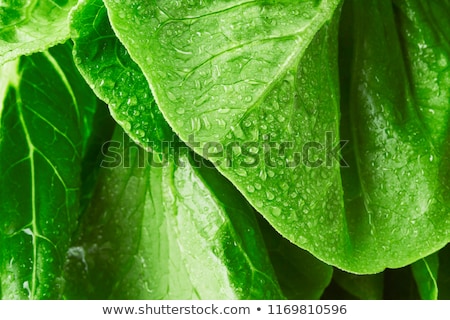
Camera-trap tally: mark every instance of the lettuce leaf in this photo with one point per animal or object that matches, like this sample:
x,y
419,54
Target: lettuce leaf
x,y
257,82
28,26
168,231
45,104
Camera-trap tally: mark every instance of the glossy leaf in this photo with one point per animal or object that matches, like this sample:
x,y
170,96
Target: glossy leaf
x,y
252,86
173,231
238,83
115,77
44,106
101,126
425,272
423,27
396,196
265,84
32,26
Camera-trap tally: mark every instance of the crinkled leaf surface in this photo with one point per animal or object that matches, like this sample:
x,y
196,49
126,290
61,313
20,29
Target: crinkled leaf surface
x,y
43,103
396,186
260,79
28,26
114,76
172,231
423,27
236,81
425,273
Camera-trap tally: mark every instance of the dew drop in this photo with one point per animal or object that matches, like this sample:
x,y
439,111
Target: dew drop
x,y
28,231
249,161
276,211
302,240
223,110
171,96
281,118
284,186
132,101
324,174
26,286
140,133
221,123
217,251
270,195
196,124
247,123
126,125
250,189
253,150
263,175
206,123
238,132
241,172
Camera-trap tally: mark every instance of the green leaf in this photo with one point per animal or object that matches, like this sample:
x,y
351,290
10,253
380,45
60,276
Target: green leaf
x,y
365,287
43,105
300,274
114,77
101,126
396,186
423,32
259,80
28,26
425,272
168,231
